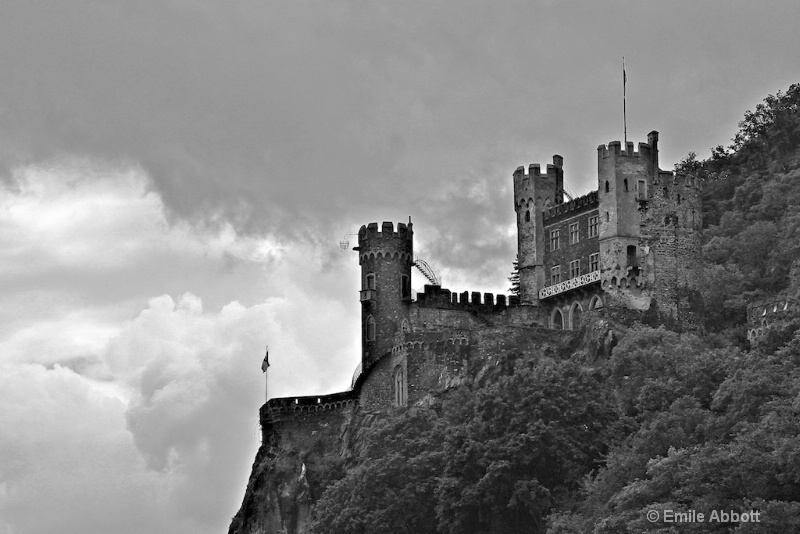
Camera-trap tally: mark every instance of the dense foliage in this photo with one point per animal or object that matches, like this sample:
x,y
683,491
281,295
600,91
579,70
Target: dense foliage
x,y
495,458
751,211
669,421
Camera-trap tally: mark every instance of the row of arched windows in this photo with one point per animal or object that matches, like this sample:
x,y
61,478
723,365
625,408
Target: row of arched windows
x,y
572,320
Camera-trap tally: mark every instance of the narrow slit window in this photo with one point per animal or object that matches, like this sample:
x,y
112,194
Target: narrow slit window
x,y
370,328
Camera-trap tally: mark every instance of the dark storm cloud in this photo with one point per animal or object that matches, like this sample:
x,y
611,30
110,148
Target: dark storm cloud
x,y
287,115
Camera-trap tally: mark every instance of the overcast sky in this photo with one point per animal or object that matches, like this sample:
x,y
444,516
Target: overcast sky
x,y
176,176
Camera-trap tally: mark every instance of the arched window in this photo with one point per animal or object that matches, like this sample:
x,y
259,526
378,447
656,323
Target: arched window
x,y
575,312
370,327
399,386
596,303
606,186
557,320
370,282
527,216
404,326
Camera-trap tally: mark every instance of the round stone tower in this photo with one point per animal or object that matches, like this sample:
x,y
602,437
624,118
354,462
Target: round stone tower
x,y
386,258
533,193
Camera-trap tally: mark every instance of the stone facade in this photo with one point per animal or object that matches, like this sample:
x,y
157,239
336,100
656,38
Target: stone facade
x,y
649,230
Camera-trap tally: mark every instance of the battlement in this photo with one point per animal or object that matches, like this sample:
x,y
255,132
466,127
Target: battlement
x,y
370,231
437,297
280,408
523,180
573,207
614,149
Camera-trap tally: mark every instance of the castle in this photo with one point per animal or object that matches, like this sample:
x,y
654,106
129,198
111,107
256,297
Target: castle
x,y
631,247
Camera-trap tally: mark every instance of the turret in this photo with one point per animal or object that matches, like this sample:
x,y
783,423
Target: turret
x,y
625,185
534,192
385,257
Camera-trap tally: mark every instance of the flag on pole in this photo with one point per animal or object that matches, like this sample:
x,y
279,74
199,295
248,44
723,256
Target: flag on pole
x,y
265,363
624,76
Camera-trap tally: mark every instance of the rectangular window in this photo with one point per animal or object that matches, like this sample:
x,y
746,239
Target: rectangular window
x,y
554,240
574,268
371,281
573,233
555,274
594,262
642,190
593,226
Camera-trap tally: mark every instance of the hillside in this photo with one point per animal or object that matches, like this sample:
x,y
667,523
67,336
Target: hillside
x,y
587,431
751,211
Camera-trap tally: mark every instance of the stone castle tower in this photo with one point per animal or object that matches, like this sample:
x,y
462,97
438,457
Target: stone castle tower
x,y
650,232
385,257
533,193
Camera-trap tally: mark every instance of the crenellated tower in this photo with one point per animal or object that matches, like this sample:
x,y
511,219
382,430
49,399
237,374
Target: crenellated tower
x,y
650,228
534,192
625,182
386,258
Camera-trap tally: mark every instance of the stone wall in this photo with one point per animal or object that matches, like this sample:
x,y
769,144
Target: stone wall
x,y
672,237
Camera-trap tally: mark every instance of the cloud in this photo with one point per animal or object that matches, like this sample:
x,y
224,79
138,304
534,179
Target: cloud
x,y
148,405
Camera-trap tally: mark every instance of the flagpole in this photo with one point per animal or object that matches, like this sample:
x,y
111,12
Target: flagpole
x,y
264,367
624,102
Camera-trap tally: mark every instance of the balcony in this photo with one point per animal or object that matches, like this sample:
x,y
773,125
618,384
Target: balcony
x,y
366,295
572,283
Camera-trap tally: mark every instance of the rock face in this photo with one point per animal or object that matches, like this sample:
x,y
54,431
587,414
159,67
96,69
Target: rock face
x,y
300,453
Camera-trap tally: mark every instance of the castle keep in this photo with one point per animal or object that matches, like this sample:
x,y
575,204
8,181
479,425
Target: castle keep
x,y
632,246
635,243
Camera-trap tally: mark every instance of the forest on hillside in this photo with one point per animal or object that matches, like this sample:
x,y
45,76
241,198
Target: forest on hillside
x,y
565,443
